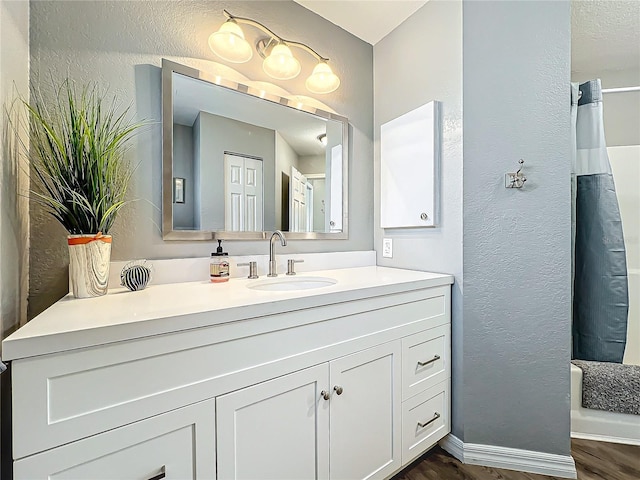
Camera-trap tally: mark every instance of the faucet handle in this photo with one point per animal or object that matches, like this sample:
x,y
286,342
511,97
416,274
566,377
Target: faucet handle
x,y
291,266
253,268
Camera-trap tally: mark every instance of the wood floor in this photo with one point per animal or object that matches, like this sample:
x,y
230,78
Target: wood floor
x,y
594,461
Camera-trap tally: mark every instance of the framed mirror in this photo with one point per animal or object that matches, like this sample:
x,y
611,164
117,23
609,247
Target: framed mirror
x,y
239,162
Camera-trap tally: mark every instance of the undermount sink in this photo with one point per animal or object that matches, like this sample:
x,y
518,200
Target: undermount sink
x,y
281,284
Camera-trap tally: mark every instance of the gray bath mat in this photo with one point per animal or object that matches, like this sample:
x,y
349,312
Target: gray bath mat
x,y
610,386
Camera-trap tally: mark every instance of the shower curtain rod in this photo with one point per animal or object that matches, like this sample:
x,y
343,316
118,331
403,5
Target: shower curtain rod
x,y
622,89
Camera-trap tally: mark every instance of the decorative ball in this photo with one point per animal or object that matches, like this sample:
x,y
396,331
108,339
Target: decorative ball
x,y
136,275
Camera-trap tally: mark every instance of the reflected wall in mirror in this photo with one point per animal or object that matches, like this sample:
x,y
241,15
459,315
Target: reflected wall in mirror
x,y
254,162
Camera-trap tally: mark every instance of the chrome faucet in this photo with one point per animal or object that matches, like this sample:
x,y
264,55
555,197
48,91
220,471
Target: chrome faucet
x,y
273,264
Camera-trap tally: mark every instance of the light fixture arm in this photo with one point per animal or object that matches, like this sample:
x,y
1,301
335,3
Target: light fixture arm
x,y
269,32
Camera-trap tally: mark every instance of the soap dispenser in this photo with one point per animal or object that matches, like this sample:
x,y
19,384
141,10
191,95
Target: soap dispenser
x,y
219,268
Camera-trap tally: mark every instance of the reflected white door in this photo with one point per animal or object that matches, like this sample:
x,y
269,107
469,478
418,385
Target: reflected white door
x,y
335,200
319,201
309,207
243,201
297,202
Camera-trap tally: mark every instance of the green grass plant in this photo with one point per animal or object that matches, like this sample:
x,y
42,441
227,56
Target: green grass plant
x,y
80,172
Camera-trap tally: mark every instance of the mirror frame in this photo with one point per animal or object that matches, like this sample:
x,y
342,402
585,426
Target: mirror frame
x,y
168,233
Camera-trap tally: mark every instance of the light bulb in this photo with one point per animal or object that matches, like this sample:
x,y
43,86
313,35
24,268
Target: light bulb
x,y
229,43
322,80
281,64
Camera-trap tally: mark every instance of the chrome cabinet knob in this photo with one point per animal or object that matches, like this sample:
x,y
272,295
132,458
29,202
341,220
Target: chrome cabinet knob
x,y
338,389
324,394
423,216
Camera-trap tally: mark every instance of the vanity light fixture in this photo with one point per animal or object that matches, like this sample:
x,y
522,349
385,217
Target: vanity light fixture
x,y
230,44
281,64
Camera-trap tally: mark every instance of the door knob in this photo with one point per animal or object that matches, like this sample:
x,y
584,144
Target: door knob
x,y
338,389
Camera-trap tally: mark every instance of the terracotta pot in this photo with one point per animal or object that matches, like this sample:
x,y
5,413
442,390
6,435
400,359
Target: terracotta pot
x,y
89,257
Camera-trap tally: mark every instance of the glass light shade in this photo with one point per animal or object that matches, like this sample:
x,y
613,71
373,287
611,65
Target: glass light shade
x,y
229,43
281,63
322,80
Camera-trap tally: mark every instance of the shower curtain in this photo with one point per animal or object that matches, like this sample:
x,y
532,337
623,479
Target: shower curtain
x,y
600,288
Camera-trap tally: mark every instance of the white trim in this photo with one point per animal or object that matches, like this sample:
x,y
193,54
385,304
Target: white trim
x,y
510,458
605,438
454,446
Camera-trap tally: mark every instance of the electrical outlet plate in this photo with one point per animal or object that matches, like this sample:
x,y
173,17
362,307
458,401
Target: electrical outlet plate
x,y
387,247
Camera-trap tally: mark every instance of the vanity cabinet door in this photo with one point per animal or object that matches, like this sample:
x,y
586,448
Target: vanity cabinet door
x,y
365,436
176,445
277,429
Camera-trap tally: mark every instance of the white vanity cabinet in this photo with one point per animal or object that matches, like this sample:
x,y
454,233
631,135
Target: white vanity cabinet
x,y
177,445
350,384
365,414
277,429
338,420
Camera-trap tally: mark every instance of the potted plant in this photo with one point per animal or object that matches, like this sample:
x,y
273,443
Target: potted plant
x,y
80,173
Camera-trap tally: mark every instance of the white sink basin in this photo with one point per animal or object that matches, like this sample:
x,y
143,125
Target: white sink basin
x,y
281,284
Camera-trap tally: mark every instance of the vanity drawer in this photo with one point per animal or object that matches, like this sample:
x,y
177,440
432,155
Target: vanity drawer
x,y
176,445
425,360
425,420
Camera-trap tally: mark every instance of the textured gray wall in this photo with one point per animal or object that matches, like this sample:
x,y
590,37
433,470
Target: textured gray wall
x,y
402,83
517,285
511,347
121,44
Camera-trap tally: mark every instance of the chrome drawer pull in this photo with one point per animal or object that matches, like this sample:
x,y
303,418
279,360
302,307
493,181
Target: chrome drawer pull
x,y
161,475
434,359
436,416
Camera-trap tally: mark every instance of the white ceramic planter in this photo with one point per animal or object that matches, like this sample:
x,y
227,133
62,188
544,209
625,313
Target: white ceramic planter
x,y
89,257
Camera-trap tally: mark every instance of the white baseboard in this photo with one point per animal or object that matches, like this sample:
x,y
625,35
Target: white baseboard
x,y
510,458
605,438
454,446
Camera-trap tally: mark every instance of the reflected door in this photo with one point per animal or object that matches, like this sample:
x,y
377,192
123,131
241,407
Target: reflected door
x,y
243,200
298,212
318,204
335,197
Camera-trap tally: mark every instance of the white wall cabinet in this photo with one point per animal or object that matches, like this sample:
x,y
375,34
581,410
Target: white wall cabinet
x,y
244,399
410,168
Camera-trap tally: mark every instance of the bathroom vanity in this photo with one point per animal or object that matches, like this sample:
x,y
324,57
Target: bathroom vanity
x,y
350,380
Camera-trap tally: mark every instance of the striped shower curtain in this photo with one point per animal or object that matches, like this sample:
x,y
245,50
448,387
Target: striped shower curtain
x,y
600,287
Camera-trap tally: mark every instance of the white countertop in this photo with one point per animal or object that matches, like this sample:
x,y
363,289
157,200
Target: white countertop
x,y
122,315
